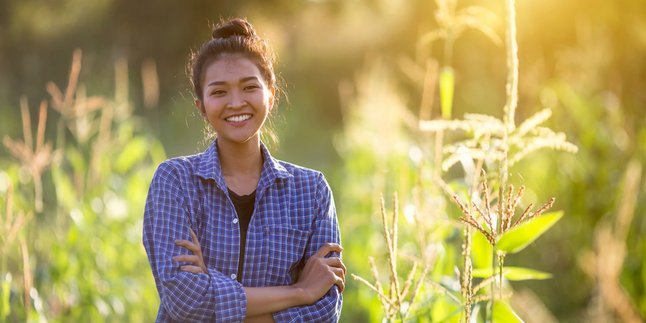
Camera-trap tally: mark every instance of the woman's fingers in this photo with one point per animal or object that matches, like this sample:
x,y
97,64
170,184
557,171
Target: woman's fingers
x,y
338,272
195,259
194,237
187,258
192,269
327,248
340,283
189,245
335,262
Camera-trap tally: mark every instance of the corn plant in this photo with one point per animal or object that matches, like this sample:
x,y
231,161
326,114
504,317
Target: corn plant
x,y
72,204
492,226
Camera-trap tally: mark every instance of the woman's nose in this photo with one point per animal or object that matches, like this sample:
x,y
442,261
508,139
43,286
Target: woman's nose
x,y
237,100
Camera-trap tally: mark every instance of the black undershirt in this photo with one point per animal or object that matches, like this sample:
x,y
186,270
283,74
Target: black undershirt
x,y
244,208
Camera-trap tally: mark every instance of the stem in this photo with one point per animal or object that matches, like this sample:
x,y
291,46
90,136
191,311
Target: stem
x,y
501,261
512,67
448,50
493,286
508,120
467,274
511,87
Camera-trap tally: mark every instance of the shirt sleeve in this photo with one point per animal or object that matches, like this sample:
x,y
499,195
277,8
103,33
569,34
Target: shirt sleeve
x,y
326,229
184,296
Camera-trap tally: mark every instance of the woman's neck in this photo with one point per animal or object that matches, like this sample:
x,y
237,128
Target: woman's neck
x,y
241,165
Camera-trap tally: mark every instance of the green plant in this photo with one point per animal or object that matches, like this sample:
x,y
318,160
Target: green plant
x,y
79,230
495,145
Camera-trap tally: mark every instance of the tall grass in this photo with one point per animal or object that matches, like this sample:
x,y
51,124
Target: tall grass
x,y
71,208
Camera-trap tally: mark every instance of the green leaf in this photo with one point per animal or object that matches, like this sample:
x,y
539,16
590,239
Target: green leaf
x,y
503,313
514,273
521,236
134,151
447,85
5,309
481,251
65,192
445,310
76,159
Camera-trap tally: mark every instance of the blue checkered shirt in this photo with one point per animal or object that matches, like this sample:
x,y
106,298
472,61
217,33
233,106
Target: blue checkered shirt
x,y
294,215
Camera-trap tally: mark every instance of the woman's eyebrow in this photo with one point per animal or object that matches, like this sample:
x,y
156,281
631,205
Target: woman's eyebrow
x,y
242,80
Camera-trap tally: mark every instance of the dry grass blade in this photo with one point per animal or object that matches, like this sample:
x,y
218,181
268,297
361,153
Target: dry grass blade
x,y
418,286
75,70
471,221
468,219
508,213
395,231
484,216
42,121
532,122
28,279
519,194
523,215
483,284
543,208
26,123
63,103
463,208
443,291
409,280
382,297
378,287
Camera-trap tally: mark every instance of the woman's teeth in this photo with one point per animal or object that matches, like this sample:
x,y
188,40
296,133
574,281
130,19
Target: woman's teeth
x,y
238,118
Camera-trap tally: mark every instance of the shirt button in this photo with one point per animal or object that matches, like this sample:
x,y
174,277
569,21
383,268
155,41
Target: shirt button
x,y
235,220
233,276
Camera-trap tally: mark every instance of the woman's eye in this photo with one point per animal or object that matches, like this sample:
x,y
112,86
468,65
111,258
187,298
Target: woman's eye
x,y
251,87
218,93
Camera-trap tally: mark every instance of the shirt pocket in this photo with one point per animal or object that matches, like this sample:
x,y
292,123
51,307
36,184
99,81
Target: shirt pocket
x,y
286,251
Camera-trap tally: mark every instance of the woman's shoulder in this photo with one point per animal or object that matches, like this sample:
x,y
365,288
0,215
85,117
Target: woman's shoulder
x,y
298,170
180,166
304,175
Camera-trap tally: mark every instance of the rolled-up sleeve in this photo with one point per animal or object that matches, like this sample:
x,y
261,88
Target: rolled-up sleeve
x,y
184,296
326,229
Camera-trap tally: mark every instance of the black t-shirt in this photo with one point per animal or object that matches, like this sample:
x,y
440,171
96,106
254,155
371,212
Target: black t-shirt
x,y
244,208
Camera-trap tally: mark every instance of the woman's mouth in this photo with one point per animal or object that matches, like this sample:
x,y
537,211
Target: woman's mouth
x,y
238,118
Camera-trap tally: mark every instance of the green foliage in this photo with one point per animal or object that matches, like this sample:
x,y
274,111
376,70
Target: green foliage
x,y
584,62
503,313
82,255
513,273
447,86
521,236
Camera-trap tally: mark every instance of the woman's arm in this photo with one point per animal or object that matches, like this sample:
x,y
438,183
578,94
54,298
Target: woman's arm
x,y
315,279
325,230
184,296
313,297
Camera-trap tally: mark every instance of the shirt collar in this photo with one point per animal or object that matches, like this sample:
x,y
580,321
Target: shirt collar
x,y
209,167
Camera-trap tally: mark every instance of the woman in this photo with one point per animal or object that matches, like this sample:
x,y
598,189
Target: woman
x,y
233,234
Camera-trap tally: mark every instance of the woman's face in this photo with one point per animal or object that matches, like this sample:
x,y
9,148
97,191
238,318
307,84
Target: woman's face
x,y
236,99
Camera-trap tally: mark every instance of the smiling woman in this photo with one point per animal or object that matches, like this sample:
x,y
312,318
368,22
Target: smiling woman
x,y
236,100
233,234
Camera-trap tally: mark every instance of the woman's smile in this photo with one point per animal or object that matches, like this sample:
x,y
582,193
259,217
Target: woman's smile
x,y
238,118
236,99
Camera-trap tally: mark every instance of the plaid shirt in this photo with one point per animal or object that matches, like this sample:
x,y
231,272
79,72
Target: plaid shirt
x,y
294,215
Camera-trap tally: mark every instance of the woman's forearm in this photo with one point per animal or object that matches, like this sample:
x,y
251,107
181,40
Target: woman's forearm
x,y
262,318
265,300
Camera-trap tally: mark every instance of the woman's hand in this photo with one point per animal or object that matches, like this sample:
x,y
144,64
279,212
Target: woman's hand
x,y
320,273
196,259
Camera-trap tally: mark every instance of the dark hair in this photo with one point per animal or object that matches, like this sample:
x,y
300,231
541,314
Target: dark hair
x,y
233,36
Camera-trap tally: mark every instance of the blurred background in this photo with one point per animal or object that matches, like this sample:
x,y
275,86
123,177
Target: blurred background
x,y
94,95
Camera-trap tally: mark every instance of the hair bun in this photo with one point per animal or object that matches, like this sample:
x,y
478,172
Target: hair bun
x,y
233,27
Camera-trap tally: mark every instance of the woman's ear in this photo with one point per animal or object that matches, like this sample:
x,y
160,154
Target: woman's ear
x,y
200,107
